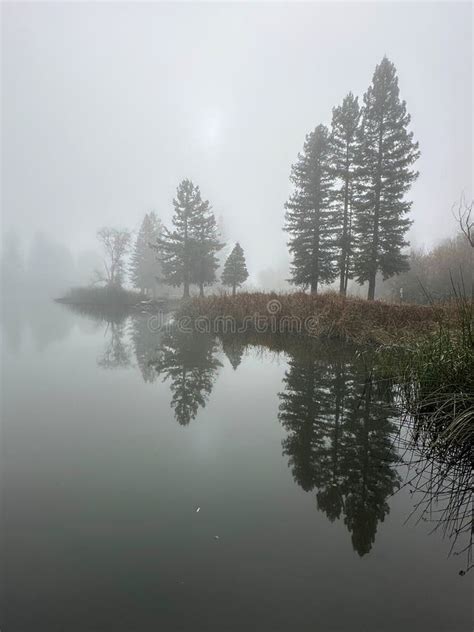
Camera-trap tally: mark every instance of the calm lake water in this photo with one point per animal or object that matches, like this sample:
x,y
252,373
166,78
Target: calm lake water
x,y
113,437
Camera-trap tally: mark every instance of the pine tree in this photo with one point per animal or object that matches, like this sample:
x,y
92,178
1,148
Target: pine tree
x,y
188,252
386,153
344,144
175,247
235,269
206,246
310,220
145,268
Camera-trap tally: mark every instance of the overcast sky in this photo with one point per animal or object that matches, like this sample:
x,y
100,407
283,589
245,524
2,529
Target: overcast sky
x,y
106,107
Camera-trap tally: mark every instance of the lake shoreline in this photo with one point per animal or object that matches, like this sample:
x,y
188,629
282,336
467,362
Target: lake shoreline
x,y
327,316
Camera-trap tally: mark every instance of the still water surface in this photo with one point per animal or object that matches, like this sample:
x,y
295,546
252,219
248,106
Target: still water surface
x,y
113,437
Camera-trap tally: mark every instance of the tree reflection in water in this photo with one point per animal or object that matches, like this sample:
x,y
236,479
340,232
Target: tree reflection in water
x,y
190,364
345,442
340,439
147,345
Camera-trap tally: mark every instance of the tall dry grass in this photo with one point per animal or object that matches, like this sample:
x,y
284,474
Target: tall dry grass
x,y
435,379
329,315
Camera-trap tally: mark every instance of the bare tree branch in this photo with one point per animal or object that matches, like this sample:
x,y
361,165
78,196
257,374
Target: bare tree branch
x,y
463,216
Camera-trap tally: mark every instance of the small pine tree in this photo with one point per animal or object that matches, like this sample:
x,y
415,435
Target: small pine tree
x,y
235,269
384,176
310,219
344,144
145,267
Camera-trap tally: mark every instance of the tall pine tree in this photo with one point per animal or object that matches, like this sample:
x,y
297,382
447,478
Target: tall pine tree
x,y
206,245
344,142
386,153
235,269
310,219
176,248
145,268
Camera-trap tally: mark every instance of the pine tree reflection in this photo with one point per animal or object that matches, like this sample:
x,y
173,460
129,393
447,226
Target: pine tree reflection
x,y
233,346
189,362
339,440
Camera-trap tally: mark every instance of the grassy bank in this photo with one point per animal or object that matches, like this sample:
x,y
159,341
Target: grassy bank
x,y
325,316
101,296
434,377
116,298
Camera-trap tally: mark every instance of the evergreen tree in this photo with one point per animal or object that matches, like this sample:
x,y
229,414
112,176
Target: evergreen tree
x,y
344,144
188,252
386,153
175,246
310,220
235,269
145,268
206,246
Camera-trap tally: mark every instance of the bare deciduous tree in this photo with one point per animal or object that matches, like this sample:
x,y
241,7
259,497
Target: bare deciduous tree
x,y
115,243
463,216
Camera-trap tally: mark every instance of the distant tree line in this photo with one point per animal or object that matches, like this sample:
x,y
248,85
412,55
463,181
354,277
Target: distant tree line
x,y
348,216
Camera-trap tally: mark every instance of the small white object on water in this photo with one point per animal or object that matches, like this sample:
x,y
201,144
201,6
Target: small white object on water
x,y
216,537
198,509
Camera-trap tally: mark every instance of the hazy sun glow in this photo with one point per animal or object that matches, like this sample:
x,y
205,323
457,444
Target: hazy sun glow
x,y
210,127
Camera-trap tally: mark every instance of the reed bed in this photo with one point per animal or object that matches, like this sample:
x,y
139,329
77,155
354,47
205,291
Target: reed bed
x,y
327,315
435,380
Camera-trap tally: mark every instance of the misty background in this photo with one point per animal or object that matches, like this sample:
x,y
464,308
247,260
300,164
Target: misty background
x,y
106,107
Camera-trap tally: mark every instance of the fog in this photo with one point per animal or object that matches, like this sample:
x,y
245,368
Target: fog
x,y
106,107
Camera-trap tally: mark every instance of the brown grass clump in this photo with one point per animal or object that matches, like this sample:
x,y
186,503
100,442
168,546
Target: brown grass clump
x,y
327,315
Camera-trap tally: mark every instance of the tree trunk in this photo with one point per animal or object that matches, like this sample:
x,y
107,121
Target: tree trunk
x,y
375,234
233,290
201,289
314,287
345,232
342,280
186,290
371,292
